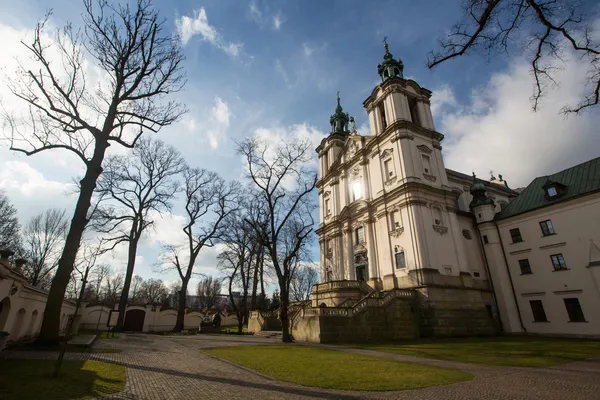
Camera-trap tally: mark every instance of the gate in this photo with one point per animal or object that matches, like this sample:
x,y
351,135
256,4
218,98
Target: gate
x,y
134,320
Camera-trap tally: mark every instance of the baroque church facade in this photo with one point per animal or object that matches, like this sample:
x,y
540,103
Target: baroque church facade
x,y
394,219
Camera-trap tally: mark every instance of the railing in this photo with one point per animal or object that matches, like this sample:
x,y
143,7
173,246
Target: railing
x,y
327,286
367,301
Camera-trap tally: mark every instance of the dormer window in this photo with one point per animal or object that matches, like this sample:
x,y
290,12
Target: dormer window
x,y
551,191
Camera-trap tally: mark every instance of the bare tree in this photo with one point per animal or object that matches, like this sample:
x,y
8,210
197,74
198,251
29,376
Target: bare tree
x,y
208,201
140,65
137,283
100,274
10,237
549,27
113,287
208,291
282,184
43,236
154,291
304,278
132,188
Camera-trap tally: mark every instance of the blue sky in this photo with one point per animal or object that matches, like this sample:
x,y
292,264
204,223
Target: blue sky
x,y
272,68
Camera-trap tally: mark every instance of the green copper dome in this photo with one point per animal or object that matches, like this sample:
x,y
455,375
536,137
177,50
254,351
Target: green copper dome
x,y
339,120
390,68
478,190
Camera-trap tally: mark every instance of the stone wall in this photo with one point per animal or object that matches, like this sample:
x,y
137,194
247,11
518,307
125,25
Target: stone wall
x,y
445,311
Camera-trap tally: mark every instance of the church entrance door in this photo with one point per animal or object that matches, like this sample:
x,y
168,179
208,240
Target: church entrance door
x,y
361,273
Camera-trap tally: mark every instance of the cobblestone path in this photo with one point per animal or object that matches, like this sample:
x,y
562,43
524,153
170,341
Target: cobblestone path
x,y
162,367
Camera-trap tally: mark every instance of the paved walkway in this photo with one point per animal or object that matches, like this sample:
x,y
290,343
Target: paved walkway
x,y
163,367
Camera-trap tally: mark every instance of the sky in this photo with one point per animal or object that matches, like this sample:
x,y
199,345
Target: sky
x,y
272,69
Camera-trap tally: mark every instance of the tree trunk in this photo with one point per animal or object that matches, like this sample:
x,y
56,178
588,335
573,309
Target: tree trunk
x,y
255,278
133,243
49,332
283,315
181,306
262,282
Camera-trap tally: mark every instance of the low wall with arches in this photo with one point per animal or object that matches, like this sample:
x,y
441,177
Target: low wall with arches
x,y
22,306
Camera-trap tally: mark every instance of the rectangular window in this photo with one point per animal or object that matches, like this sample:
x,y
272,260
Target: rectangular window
x,y
383,118
537,309
574,310
360,235
476,274
414,111
426,163
515,235
547,228
400,260
387,169
448,270
395,220
327,209
525,267
558,262
485,239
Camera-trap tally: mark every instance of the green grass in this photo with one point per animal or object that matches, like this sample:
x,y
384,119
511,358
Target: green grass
x,y
100,334
311,366
233,329
504,351
32,379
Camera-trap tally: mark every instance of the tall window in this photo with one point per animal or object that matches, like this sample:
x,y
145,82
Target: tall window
x,y
395,220
400,260
574,310
414,113
359,235
558,262
327,209
426,163
388,169
357,190
525,267
515,235
537,309
383,118
547,228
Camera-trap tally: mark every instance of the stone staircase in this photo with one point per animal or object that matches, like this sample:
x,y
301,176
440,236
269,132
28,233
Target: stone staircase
x,y
269,334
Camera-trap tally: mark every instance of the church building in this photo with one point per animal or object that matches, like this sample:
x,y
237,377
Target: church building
x,y
393,217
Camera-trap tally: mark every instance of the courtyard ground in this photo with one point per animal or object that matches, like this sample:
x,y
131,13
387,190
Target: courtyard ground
x,y
173,367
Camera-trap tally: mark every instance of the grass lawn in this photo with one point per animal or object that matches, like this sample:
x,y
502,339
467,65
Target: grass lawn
x,y
100,334
32,379
233,329
505,351
311,366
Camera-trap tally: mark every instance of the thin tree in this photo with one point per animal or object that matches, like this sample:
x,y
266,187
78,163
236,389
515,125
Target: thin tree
x,y
208,202
549,28
10,230
140,65
208,291
113,287
133,187
43,237
282,182
137,282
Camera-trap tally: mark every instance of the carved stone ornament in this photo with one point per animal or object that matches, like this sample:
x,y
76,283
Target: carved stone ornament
x,y
326,194
424,149
437,146
361,258
352,149
356,171
360,248
403,136
390,181
397,232
430,178
440,229
387,153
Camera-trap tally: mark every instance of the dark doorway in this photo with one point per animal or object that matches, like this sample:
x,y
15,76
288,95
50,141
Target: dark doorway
x,y
134,320
361,273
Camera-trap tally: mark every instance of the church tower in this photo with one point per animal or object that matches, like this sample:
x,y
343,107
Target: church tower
x,y
388,215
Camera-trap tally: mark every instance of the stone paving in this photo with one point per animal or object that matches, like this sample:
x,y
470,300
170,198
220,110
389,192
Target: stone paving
x,y
168,367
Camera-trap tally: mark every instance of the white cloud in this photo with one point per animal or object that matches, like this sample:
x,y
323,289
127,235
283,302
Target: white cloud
x,y
198,24
264,18
498,130
442,97
217,123
221,112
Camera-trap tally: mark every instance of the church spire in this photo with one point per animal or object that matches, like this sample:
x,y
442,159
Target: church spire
x,y
339,120
478,191
390,68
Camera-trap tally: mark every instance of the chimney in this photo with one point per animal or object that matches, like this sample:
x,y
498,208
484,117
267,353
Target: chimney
x,y
6,254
